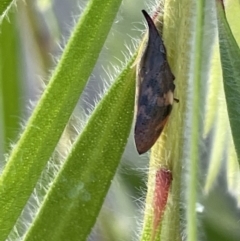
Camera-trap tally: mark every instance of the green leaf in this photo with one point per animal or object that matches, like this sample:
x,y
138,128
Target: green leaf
x,y
9,84
5,5
50,116
230,60
72,204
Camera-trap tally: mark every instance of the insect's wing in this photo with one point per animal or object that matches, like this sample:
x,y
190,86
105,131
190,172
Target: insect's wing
x,y
155,97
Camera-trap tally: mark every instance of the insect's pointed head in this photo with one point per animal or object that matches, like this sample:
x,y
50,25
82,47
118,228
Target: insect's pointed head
x,y
153,32
155,47
148,19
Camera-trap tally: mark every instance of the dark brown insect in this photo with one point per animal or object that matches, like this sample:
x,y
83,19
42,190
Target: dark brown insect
x,y
155,94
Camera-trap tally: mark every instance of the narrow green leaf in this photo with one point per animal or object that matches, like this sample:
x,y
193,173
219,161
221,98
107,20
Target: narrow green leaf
x,y
216,118
49,118
9,83
221,150
230,60
72,204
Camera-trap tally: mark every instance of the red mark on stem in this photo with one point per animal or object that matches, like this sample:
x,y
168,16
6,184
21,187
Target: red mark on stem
x,y
162,186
